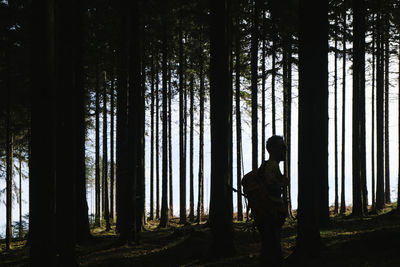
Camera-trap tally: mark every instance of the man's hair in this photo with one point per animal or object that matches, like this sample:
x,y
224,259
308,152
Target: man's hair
x,y
273,141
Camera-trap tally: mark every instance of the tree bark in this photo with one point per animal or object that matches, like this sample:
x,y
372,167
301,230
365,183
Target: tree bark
x,y
42,206
358,104
220,217
313,103
254,79
106,215
343,163
239,124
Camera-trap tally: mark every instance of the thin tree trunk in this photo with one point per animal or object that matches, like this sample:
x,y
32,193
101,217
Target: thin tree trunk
x,y
171,202
254,87
398,179
97,156
263,77
182,150
152,141
157,144
386,110
373,118
273,76
343,163
191,87
200,203
164,201
336,208
20,196
106,214
112,146
239,123
380,196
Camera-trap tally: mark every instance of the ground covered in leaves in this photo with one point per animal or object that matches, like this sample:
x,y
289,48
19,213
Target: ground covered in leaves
x,y
373,240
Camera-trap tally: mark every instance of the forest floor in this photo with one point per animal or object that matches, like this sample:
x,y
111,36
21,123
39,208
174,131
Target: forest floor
x,y
373,240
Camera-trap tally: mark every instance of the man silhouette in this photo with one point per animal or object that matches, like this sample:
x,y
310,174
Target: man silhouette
x,y
264,188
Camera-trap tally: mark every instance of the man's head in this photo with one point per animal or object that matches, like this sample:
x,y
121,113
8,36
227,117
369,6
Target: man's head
x,y
276,148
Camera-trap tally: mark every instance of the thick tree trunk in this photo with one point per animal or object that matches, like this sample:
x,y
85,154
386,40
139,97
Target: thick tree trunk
x,y
313,103
358,104
254,87
42,178
82,219
343,163
220,217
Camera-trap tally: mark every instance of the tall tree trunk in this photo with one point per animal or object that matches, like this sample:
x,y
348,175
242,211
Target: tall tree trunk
x,y
164,200
182,118
313,103
386,109
157,143
398,179
336,208
171,202
42,203
273,76
254,79
20,196
68,102
358,104
239,123
380,201
106,214
191,141
82,219
151,217
220,217
200,202
123,203
112,170
343,163
263,78
9,176
97,156
373,117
